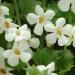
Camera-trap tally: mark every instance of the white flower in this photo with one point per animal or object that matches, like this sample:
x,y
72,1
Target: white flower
x,y
3,69
27,44
41,19
6,24
17,53
65,5
18,34
34,42
70,32
50,67
57,32
4,11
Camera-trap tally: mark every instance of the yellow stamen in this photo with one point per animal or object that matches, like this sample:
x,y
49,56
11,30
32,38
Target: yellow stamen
x,y
17,51
2,71
41,19
58,31
7,24
18,33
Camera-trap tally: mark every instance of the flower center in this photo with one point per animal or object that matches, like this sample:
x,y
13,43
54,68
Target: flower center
x,y
6,24
58,31
41,19
18,33
17,51
2,71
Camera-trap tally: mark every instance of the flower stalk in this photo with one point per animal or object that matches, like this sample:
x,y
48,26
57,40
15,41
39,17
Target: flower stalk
x,y
17,12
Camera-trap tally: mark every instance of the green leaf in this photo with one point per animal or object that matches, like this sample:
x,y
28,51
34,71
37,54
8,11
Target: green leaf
x,y
64,61
27,6
44,56
3,42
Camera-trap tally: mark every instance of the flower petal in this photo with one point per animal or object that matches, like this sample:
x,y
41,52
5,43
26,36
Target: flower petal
x,y
8,53
51,39
49,27
69,42
23,27
29,51
39,10
13,61
38,30
62,40
73,7
9,37
34,42
60,22
67,30
26,34
2,62
19,38
49,14
25,57
23,45
32,18
64,5
54,74
10,34
5,10
41,67
51,67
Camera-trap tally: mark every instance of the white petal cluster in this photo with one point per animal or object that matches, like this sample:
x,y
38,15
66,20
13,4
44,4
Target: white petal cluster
x,y
70,31
50,68
3,69
41,19
66,5
62,33
57,33
18,34
5,23
18,52
34,42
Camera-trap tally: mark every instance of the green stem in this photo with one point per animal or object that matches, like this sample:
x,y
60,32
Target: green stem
x,y
42,37
43,3
65,47
28,65
17,12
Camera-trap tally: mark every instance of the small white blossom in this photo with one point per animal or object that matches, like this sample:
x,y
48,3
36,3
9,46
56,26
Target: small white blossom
x,y
50,67
41,19
3,69
34,42
28,44
65,5
17,53
57,32
70,32
6,24
18,34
